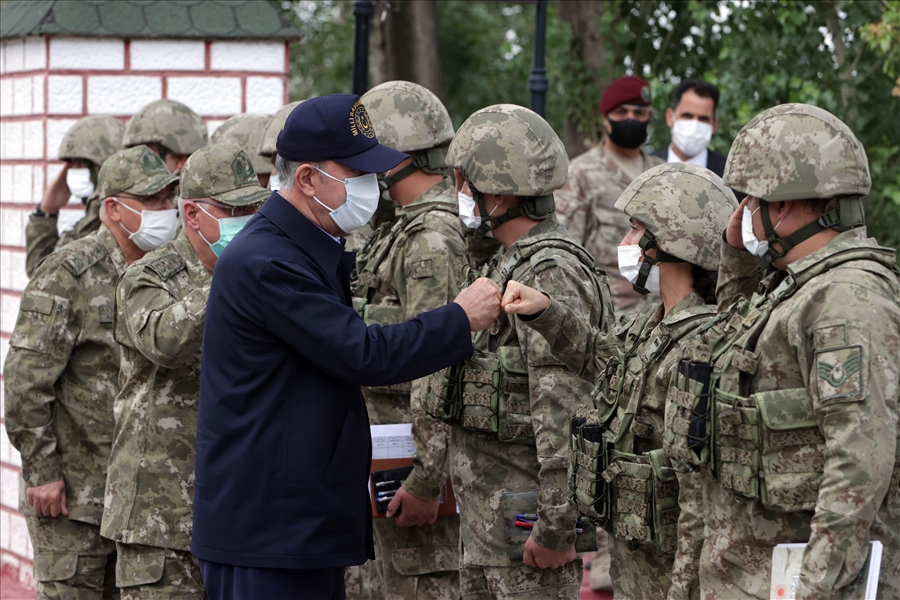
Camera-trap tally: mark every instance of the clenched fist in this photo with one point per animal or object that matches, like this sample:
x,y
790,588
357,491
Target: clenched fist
x,y
522,300
481,301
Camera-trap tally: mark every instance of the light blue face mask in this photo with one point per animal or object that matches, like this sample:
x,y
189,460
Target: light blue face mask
x,y
228,228
361,202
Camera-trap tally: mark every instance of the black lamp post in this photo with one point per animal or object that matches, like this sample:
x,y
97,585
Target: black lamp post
x,y
362,12
537,81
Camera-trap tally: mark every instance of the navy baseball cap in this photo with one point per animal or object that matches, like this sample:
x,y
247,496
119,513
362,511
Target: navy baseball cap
x,y
335,127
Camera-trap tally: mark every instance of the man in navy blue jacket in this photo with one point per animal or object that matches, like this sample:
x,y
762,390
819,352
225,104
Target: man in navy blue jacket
x,y
283,445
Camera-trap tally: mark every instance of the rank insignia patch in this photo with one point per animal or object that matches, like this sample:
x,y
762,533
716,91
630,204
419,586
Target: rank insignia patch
x,y
839,373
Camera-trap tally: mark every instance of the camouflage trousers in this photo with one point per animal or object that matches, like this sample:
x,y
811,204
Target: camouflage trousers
x,y
71,560
521,582
151,573
638,574
363,582
419,563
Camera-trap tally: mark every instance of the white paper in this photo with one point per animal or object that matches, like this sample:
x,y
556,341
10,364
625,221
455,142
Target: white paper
x,y
392,441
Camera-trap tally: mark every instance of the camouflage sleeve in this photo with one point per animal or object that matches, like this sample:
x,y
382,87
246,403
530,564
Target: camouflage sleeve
x,y
739,275
686,567
555,393
431,273
853,378
156,324
41,237
41,345
584,349
573,208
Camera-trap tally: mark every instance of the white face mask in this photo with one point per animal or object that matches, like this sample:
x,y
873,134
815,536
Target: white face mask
x,y
157,227
79,182
691,136
467,211
274,182
630,266
361,202
753,245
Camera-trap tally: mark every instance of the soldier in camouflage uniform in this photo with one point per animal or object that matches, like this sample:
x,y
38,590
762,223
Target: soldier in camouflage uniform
x,y
415,264
599,176
89,142
160,310
804,423
508,163
677,212
246,130
61,379
266,147
170,129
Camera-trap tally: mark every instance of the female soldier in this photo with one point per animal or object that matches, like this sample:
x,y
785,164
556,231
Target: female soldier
x,y
621,477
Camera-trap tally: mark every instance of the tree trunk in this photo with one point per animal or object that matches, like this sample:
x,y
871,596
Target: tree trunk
x,y
584,17
404,44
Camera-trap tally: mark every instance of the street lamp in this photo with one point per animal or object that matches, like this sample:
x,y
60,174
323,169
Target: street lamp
x,y
537,81
362,12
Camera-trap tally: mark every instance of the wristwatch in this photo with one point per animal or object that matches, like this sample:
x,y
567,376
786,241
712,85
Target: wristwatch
x,y
39,213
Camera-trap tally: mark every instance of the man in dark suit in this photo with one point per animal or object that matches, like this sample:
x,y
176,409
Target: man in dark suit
x,y
283,445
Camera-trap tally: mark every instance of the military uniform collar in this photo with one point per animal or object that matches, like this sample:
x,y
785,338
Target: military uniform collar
x,y
692,300
105,237
853,238
433,195
197,272
543,227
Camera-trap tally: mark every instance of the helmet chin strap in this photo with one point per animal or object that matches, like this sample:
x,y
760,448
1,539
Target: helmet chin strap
x,y
430,161
847,215
534,207
648,241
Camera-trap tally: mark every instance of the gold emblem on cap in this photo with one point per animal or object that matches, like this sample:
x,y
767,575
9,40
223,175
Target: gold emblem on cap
x,y
359,121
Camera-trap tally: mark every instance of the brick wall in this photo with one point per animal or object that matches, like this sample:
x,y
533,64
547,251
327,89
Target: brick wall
x,y
46,84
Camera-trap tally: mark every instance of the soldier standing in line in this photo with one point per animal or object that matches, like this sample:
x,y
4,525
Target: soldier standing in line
x,y
409,266
61,377
246,130
160,310
586,205
169,128
805,397
515,437
89,142
678,212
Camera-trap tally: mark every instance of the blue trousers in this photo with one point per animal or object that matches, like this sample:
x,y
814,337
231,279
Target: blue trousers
x,y
229,582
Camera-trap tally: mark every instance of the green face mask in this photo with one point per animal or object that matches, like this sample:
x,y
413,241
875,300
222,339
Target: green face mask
x,y
228,228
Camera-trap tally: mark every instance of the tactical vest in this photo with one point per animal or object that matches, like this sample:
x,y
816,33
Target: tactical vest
x,y
634,495
366,281
489,393
762,446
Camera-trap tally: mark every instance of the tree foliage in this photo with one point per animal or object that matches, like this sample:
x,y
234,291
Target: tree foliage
x,y
841,55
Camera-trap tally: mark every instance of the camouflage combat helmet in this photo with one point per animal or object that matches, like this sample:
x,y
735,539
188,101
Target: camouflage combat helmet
x,y
270,137
800,152
222,172
138,171
509,149
685,208
246,130
93,138
410,118
168,123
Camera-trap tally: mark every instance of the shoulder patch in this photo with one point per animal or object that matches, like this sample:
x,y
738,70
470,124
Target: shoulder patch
x,y
839,374
422,269
84,258
167,265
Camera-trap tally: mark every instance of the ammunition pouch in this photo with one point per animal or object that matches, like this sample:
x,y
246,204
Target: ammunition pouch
x,y
588,491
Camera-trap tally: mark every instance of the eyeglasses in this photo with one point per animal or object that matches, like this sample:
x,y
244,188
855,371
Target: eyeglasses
x,y
236,211
159,198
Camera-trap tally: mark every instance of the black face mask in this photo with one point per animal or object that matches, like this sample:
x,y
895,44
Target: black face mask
x,y
628,133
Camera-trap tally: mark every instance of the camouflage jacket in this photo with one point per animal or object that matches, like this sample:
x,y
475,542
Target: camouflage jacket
x,y
160,310
483,467
61,373
586,207
42,237
413,265
830,350
638,420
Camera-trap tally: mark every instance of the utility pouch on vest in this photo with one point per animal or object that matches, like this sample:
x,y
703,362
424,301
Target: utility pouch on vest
x,y
736,448
514,407
479,391
441,394
688,415
588,491
664,507
385,314
793,450
630,478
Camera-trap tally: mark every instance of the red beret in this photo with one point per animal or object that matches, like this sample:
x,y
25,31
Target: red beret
x,y
625,90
